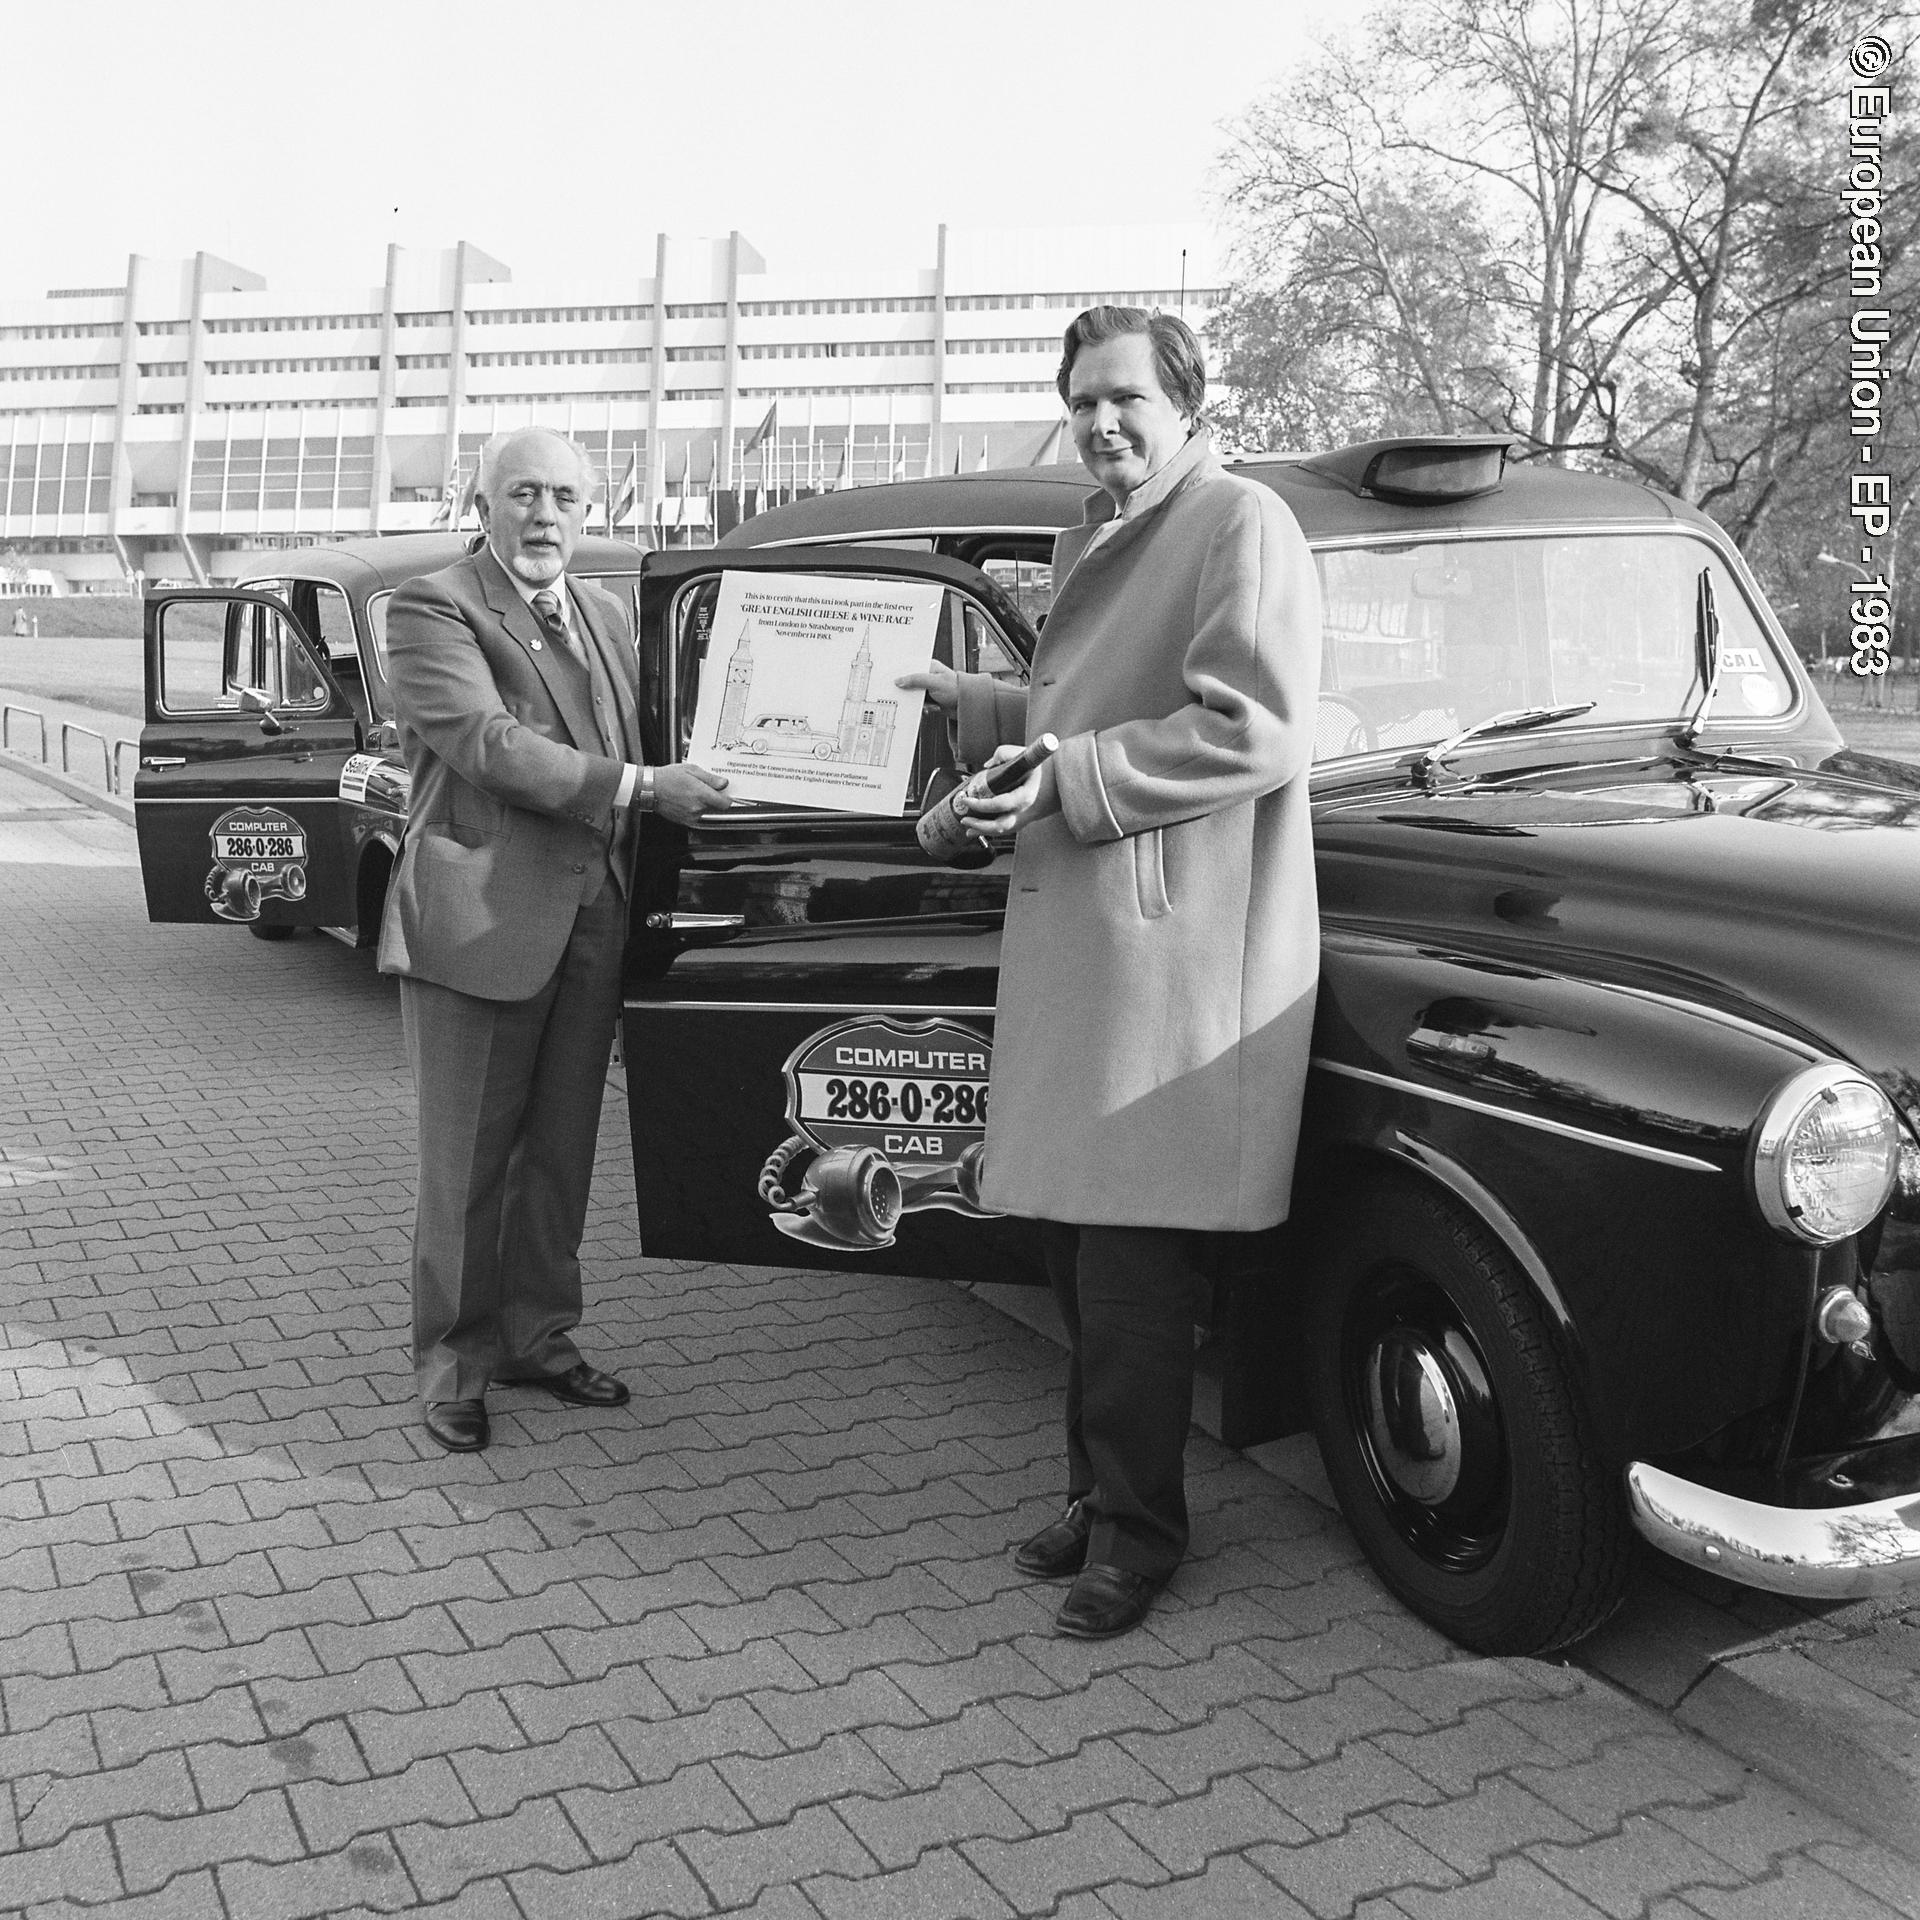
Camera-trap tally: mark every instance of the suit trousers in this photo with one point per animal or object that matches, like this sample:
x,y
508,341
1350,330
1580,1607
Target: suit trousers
x,y
1129,1297
510,1095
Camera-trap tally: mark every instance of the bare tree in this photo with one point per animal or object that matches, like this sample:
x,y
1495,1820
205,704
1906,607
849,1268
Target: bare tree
x,y
1609,226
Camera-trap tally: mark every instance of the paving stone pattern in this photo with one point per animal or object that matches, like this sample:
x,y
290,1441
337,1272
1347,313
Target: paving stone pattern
x,y
752,1645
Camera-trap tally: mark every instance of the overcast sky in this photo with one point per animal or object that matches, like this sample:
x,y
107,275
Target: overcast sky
x,y
560,138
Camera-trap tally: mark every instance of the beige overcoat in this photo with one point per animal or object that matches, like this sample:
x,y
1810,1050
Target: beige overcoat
x,y
1162,942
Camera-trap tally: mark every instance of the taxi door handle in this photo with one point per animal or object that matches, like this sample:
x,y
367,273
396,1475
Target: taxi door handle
x,y
163,759
698,929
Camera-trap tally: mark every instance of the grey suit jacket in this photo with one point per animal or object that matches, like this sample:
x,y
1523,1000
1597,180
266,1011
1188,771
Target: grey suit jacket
x,y
512,808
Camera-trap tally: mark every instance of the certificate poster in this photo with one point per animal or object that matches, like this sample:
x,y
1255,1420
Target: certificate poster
x,y
797,700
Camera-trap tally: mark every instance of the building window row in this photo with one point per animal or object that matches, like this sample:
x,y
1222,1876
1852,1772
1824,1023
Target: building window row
x,y
56,479
419,362
57,373
802,393
561,357
1001,386
160,406
693,393
279,475
533,316
1160,297
698,310
424,319
318,363
903,303
95,330
160,326
696,353
296,323
85,293
162,369
1048,343
547,399
833,350
277,404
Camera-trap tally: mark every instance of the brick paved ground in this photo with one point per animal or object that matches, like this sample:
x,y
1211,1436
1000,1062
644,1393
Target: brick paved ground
x,y
749,1645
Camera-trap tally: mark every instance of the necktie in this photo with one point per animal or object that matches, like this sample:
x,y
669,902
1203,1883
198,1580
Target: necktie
x,y
546,603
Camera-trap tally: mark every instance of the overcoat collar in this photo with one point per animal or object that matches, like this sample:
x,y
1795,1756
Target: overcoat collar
x,y
1193,463
568,687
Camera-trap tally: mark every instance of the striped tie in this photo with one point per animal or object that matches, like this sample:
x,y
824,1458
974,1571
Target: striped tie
x,y
546,603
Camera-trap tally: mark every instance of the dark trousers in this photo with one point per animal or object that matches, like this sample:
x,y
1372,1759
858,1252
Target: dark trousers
x,y
509,1116
1129,1297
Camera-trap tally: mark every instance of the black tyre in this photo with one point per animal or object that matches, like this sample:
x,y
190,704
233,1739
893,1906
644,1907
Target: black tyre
x,y
1452,1433
269,930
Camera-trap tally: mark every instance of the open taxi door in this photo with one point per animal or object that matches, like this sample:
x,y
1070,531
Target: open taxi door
x,y
248,748
808,1018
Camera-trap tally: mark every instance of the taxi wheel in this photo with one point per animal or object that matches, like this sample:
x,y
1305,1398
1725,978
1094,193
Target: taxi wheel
x,y
269,930
1452,1433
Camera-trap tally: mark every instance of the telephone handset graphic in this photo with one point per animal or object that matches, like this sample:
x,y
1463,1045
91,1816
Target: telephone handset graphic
x,y
856,1197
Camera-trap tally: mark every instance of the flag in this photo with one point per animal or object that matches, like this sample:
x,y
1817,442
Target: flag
x,y
444,515
764,428
1048,451
467,492
629,491
845,476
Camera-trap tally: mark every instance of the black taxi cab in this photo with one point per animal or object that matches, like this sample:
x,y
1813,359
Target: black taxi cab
x,y
1607,1212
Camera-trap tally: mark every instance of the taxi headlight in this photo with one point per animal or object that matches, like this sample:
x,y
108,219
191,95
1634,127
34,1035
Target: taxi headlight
x,y
1825,1152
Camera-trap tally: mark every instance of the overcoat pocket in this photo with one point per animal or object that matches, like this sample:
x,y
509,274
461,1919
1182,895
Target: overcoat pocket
x,y
1150,875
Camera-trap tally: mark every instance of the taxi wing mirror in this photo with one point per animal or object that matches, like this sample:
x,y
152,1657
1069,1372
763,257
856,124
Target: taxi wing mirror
x,y
258,700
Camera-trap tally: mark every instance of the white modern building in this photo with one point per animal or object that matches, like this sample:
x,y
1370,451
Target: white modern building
x,y
177,424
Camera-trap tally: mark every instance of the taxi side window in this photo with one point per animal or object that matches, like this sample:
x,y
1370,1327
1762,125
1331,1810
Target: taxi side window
x,y
967,638
210,651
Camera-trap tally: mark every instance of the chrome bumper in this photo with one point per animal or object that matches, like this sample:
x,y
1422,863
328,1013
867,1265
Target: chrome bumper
x,y
1828,1553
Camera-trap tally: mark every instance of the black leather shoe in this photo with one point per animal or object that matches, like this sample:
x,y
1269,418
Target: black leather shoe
x,y
581,1386
1107,1600
458,1425
1058,1550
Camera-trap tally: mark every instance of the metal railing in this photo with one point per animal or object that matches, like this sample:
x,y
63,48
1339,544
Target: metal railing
x,y
67,730
113,779
6,727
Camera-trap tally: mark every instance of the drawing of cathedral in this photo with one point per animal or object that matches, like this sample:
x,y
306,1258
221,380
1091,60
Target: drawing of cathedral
x,y
865,736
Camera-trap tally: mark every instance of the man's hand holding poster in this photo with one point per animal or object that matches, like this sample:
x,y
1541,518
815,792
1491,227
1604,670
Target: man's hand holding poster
x,y
797,700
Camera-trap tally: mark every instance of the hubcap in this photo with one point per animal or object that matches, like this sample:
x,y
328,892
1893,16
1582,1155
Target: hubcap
x,y
1412,1417
1427,1421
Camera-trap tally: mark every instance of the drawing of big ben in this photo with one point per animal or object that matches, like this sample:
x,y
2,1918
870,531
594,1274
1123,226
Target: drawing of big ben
x,y
733,708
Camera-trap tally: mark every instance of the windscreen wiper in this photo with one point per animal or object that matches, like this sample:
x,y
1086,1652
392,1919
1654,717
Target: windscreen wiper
x,y
1514,720
1706,655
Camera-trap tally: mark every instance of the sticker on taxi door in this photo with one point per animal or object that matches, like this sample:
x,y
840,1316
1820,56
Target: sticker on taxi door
x,y
894,1115
259,853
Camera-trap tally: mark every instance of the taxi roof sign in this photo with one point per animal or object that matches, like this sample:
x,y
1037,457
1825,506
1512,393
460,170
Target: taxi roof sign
x,y
1419,472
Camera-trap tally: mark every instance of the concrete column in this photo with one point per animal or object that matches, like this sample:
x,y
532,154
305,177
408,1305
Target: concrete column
x,y
189,412
657,381
731,366
120,488
383,403
938,430
457,355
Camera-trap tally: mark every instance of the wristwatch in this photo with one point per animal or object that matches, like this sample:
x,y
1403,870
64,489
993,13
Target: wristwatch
x,y
644,798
